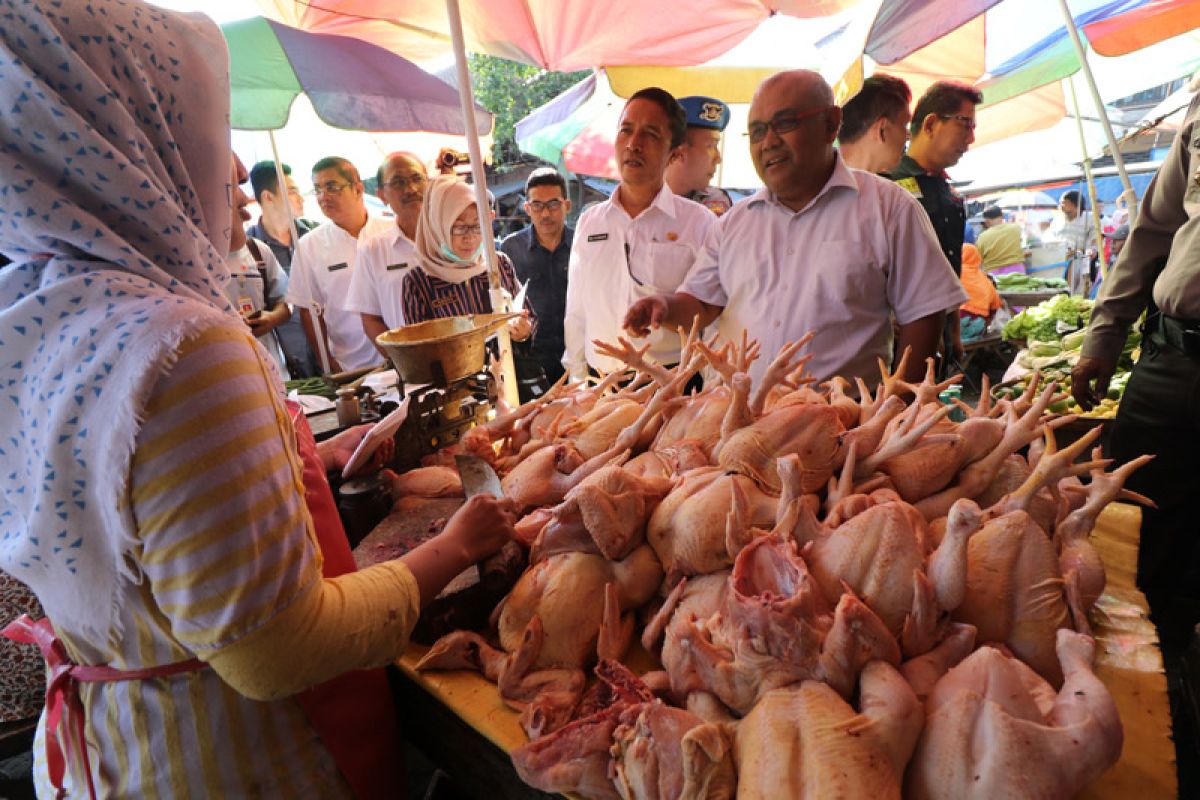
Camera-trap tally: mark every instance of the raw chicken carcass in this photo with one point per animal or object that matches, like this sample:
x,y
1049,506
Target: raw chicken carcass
x,y
1015,591
811,431
606,514
995,729
436,481
776,628
665,753
567,592
688,528
806,742
576,758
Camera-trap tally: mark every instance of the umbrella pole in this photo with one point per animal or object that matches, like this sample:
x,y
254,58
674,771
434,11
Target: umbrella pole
x,y
500,299
1102,112
1087,174
318,323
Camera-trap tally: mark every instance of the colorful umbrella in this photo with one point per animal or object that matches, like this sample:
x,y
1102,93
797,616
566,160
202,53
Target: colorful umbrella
x,y
352,84
562,35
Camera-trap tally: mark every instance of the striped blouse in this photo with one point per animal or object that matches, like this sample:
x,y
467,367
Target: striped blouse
x,y
227,550
429,297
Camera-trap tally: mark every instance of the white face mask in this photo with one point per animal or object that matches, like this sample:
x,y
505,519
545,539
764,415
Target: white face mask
x,y
456,258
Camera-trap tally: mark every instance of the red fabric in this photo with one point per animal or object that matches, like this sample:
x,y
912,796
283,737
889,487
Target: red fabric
x,y
352,713
62,693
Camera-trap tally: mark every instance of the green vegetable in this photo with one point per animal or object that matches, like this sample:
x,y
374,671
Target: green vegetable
x,y
1038,349
1041,322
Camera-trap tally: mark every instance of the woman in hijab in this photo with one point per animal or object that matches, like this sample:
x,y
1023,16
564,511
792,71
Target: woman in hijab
x,y
452,278
155,498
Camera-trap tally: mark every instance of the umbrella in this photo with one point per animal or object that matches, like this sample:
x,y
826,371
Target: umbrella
x,y
352,84
1019,198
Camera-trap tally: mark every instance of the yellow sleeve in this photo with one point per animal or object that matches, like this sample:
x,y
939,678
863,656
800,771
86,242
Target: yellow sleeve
x,y
359,620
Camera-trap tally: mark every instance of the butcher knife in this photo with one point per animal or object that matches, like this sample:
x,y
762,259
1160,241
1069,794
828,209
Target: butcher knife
x,y
478,477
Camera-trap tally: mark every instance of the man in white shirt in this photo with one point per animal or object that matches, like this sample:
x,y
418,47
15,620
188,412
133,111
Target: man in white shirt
x,y
821,248
324,262
384,259
641,241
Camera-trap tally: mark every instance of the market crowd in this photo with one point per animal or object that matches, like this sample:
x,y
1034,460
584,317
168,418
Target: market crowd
x,y
199,559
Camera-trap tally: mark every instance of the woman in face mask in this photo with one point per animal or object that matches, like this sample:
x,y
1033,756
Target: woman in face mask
x,y
452,278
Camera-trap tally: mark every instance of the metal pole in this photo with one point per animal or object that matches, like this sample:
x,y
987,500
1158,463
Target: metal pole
x,y
315,312
1087,174
1101,111
500,299
282,187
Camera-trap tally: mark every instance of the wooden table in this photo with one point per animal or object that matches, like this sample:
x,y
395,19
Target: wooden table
x,y
479,729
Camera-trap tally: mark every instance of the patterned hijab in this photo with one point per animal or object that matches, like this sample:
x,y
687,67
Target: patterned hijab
x,y
114,208
445,198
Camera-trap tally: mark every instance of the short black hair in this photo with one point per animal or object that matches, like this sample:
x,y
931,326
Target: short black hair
x,y
546,176
670,106
880,96
342,165
992,212
943,98
264,179
1075,198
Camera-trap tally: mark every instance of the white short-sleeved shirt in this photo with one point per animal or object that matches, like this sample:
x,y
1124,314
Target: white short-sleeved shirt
x,y
382,262
320,279
617,259
861,251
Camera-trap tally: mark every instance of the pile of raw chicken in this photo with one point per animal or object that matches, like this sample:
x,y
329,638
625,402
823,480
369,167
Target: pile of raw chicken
x,y
850,595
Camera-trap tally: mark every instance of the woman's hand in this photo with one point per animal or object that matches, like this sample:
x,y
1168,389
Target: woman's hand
x,y
335,452
481,526
520,328
477,530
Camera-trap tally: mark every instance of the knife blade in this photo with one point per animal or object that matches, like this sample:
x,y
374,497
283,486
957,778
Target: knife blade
x,y
477,476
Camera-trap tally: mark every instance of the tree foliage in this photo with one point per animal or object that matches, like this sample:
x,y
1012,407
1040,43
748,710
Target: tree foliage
x,y
510,90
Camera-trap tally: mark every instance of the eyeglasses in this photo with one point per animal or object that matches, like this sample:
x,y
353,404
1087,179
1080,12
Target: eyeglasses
x,y
330,187
465,230
757,131
967,122
400,184
537,206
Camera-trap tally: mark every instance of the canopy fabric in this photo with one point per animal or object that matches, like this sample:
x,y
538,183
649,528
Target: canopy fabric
x,y
352,84
562,35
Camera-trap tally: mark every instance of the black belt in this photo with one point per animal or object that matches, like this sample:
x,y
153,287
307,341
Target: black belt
x,y
1182,334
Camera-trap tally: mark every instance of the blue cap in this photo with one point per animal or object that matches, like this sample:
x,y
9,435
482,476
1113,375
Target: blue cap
x,y
705,112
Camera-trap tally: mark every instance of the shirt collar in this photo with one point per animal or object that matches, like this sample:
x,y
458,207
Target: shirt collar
x,y
841,177
531,240
664,202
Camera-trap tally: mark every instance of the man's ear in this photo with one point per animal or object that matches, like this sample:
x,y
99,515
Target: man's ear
x,y
881,129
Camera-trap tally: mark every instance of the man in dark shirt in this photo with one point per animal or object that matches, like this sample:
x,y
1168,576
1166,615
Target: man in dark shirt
x,y
274,229
943,127
540,253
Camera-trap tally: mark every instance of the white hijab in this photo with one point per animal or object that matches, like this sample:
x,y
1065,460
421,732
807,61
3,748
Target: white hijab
x,y
445,198
114,186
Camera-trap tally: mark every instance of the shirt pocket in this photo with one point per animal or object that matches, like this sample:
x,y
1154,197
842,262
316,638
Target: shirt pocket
x,y
846,280
669,264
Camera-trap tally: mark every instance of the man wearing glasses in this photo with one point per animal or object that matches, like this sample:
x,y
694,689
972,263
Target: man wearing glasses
x,y
384,259
820,248
540,254
324,263
642,241
943,128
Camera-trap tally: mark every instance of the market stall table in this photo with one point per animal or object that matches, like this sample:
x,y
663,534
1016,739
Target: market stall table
x,y
459,719
1018,300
